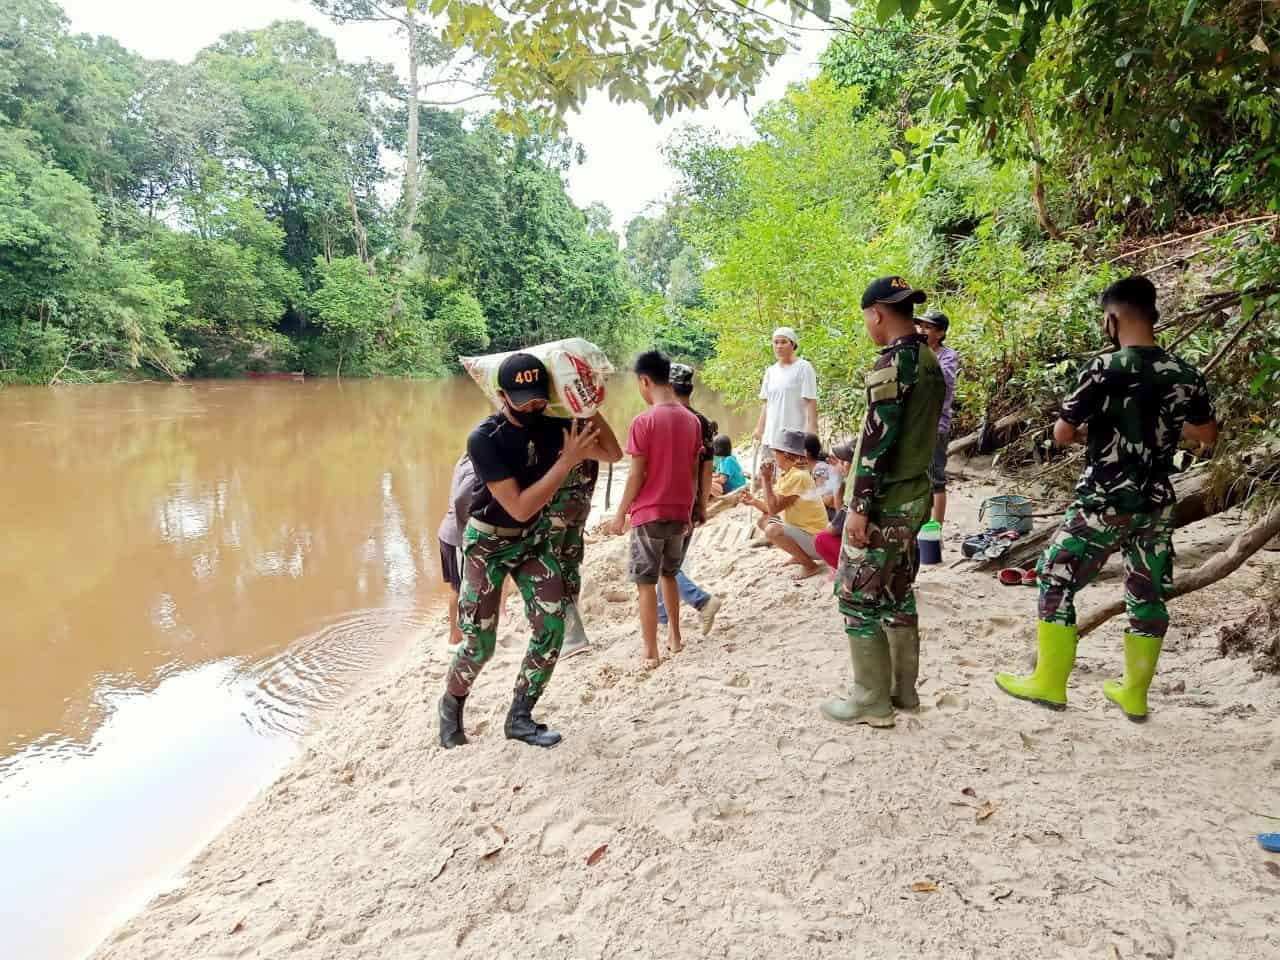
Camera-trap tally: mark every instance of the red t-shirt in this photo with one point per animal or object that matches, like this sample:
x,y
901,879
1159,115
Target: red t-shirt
x,y
669,438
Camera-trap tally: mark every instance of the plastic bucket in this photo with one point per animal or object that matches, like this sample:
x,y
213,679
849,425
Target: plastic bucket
x,y
1006,513
930,540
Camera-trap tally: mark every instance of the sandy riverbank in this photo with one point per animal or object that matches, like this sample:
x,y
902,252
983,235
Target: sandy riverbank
x,y
735,821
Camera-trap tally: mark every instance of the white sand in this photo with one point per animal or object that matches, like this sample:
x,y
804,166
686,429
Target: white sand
x,y
740,823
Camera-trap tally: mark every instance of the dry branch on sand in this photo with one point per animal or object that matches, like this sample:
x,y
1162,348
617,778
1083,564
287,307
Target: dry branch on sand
x,y
1211,571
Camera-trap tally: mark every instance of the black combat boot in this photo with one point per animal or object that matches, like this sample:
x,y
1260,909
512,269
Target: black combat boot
x,y
451,733
520,725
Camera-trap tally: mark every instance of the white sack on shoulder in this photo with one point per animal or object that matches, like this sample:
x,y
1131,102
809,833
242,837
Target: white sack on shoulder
x,y
577,367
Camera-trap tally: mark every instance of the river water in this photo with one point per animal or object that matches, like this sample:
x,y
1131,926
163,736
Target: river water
x,y
190,575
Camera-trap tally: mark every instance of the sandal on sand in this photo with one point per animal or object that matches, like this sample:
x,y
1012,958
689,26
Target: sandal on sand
x,y
808,572
1029,578
1269,842
1010,577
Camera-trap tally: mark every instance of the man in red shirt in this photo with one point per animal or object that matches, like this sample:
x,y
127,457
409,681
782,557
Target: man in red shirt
x,y
663,443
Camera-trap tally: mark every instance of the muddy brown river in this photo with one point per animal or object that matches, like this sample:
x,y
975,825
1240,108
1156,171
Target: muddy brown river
x,y
190,575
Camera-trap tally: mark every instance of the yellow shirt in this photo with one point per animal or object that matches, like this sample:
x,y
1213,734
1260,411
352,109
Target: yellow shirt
x,y
807,512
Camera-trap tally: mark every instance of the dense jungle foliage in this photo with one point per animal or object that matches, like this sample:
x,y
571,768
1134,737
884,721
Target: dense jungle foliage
x,y
1012,157
238,213
1006,157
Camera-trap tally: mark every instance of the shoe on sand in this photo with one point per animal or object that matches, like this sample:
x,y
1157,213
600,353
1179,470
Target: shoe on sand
x,y
708,614
521,726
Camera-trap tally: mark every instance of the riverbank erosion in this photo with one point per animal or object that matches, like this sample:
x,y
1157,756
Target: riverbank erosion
x,y
707,809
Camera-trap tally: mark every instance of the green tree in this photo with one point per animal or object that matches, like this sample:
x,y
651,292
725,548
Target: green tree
x,y
459,326
545,55
306,135
353,307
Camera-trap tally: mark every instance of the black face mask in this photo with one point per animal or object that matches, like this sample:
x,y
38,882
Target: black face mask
x,y
1112,331
525,418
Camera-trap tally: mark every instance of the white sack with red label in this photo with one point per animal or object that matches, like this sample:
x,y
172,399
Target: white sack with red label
x,y
577,367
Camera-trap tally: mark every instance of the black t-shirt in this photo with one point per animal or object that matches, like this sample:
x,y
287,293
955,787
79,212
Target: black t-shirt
x,y
500,450
709,428
706,454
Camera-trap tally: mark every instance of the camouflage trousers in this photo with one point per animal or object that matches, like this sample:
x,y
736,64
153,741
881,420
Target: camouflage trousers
x,y
487,560
568,512
875,584
1084,542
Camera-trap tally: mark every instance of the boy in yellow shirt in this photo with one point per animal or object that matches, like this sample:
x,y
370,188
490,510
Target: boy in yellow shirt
x,y
792,504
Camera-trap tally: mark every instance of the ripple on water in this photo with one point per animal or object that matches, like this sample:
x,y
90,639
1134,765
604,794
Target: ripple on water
x,y
318,670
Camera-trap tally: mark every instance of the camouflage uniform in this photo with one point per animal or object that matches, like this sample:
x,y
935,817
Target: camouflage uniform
x,y
567,513
891,486
1135,401
875,585
488,559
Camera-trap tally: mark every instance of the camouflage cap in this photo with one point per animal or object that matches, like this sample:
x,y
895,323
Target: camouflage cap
x,y
681,377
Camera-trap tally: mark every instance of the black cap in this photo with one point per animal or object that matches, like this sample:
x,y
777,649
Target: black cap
x,y
522,377
893,290
681,378
935,318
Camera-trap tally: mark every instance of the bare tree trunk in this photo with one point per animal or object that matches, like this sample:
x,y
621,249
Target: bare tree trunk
x,y
411,146
361,235
1211,571
1037,175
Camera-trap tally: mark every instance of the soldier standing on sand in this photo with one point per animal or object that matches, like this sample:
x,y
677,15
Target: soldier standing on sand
x,y
521,458
1137,402
889,500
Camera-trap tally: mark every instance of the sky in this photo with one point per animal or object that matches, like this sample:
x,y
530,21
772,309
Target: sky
x,y
624,169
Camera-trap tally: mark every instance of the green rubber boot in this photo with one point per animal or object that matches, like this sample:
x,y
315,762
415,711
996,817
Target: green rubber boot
x,y
1047,686
868,701
1141,654
904,652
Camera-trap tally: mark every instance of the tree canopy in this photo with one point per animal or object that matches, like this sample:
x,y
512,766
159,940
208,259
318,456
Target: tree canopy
x,y
238,213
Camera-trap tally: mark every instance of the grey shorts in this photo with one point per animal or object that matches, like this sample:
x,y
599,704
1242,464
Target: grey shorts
x,y
938,465
802,537
657,550
451,565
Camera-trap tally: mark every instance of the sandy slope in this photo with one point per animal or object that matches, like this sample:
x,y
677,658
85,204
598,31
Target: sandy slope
x,y
740,823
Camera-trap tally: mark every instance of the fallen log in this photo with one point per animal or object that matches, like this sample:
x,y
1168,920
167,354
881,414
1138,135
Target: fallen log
x,y
1216,568
1002,431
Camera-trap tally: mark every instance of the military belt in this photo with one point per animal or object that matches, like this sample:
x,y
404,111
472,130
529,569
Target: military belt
x,y
490,529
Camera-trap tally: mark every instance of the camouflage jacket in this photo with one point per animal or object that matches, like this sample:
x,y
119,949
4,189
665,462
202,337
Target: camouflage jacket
x,y
1135,402
904,400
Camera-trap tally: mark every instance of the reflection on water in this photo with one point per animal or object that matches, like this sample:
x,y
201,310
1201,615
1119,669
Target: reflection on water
x,y
314,672
187,575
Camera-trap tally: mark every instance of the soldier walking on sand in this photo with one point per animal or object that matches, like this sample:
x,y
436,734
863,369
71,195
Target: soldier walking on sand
x,y
521,458
567,514
1137,402
889,500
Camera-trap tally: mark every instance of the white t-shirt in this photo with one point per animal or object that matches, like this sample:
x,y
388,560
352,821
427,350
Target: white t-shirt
x,y
784,391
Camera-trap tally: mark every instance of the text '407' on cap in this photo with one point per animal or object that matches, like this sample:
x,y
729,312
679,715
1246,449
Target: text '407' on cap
x,y
522,377
892,290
